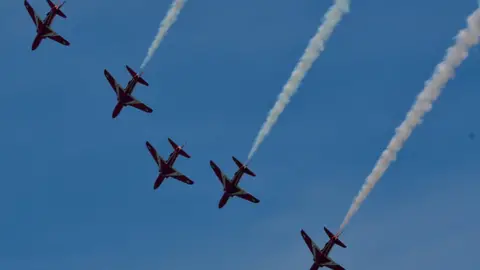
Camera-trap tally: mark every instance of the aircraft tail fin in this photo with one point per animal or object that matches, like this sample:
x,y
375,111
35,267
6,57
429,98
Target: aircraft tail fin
x,y
56,8
138,76
334,238
243,167
178,148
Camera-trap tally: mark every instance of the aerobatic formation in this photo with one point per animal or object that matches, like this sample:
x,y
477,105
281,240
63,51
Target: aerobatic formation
x,y
444,71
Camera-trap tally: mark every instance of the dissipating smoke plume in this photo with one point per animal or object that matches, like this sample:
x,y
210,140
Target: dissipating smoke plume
x,y
444,71
165,25
315,46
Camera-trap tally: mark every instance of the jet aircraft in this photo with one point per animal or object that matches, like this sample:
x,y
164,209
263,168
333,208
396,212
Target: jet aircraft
x,y
320,256
43,27
230,187
166,167
124,96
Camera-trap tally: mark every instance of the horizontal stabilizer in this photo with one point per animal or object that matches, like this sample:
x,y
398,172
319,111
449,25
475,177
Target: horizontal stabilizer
x,y
334,237
61,14
178,148
135,75
57,9
52,5
243,167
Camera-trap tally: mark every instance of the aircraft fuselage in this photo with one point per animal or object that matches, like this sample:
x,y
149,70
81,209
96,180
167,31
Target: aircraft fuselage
x,y
172,158
131,86
237,176
49,18
328,247
231,190
321,255
170,161
42,29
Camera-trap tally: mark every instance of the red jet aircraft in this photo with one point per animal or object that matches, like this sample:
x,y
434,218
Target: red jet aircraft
x,y
166,167
124,96
320,256
43,27
230,187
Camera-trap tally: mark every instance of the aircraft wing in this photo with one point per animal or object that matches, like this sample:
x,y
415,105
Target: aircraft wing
x,y
180,177
247,196
310,244
220,175
36,20
54,36
333,265
169,171
131,101
112,81
153,152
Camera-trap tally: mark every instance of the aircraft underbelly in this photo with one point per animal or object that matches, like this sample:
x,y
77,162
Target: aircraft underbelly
x,y
321,259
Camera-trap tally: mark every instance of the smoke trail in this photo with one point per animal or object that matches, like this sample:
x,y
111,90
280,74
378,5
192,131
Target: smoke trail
x,y
444,71
313,50
166,23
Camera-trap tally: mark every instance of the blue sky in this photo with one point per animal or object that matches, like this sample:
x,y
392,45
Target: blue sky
x,y
77,185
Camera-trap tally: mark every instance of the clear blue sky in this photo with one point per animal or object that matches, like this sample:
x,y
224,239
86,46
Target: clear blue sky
x,y
77,186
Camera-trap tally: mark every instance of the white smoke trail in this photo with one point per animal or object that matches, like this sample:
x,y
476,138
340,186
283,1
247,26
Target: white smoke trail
x,y
444,71
313,50
166,23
